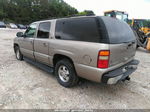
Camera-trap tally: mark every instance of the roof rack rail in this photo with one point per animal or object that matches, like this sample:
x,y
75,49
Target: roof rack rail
x,y
75,15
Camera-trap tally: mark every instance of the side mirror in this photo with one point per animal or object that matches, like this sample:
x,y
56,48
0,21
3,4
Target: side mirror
x,y
19,34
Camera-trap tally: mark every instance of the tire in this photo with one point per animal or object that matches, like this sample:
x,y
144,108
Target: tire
x,y
18,54
137,46
65,73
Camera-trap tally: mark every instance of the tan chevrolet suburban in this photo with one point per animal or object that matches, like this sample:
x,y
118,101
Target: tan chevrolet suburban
x,y
99,49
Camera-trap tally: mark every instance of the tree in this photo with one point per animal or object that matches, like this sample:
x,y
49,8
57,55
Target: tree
x,y
86,13
27,11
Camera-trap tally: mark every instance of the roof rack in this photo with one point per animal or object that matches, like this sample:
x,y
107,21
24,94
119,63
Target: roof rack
x,y
75,15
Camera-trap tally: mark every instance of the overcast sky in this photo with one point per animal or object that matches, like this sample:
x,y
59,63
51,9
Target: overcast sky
x,y
138,9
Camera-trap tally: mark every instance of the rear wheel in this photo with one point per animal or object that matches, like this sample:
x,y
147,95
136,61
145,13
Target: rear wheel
x,y
65,73
137,46
19,55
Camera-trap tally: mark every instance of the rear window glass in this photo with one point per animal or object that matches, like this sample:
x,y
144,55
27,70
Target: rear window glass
x,y
118,31
79,29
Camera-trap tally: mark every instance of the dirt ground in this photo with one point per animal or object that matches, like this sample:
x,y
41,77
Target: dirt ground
x,y
24,86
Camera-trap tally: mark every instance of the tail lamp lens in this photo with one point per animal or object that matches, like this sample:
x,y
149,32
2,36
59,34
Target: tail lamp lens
x,y
103,59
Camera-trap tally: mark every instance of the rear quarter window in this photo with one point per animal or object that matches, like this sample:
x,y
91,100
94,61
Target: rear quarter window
x,y
118,31
78,29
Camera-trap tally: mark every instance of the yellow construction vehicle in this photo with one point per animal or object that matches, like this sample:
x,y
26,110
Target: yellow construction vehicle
x,y
145,30
142,33
117,14
124,17
143,27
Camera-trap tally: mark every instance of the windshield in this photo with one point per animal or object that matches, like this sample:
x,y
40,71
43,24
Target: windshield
x,y
120,16
12,25
125,17
21,25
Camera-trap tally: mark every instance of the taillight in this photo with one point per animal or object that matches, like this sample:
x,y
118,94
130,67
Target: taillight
x,y
103,59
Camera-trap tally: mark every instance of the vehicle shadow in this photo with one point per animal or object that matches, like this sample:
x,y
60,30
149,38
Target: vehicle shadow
x,y
89,87
89,84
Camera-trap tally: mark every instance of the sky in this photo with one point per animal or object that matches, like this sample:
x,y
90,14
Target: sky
x,y
138,9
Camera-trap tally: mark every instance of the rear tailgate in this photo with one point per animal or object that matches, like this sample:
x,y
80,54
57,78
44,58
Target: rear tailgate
x,y
122,41
121,53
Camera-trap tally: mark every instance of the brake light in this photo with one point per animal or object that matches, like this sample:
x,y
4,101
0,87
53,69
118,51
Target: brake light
x,y
103,59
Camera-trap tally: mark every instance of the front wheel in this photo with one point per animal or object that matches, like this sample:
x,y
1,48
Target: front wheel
x,y
65,73
19,56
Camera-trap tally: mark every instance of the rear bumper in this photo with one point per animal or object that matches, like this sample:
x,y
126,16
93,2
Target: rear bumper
x,y
119,74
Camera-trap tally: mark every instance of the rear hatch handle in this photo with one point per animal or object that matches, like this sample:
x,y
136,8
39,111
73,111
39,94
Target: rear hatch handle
x,y
130,43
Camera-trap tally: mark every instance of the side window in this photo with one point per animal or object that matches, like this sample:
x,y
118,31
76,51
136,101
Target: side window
x,y
44,30
30,32
78,29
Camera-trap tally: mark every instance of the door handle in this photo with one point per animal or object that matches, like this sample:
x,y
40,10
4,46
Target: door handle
x,y
45,44
129,45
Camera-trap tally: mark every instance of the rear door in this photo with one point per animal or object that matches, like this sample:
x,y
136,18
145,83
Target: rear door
x,y
122,41
41,43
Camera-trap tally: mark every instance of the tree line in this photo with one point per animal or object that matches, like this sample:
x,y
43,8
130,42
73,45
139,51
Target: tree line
x,y
27,11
